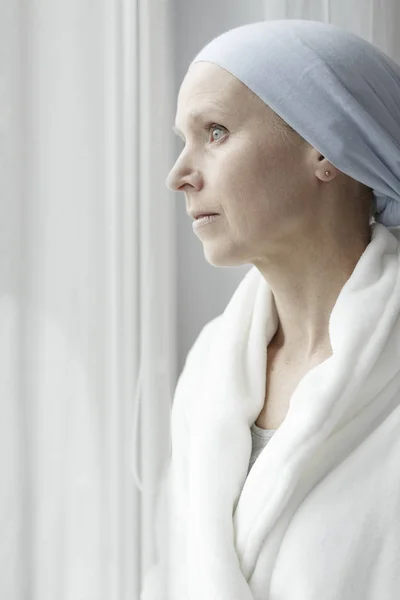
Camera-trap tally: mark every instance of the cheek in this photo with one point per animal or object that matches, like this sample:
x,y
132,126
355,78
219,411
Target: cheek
x,y
243,170
252,176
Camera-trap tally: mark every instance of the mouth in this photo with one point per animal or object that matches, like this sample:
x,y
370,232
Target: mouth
x,y
205,220
200,215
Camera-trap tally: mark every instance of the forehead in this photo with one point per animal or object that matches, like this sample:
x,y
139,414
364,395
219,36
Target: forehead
x,y
206,90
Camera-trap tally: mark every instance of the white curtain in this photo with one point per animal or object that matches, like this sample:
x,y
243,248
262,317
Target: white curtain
x,y
87,293
87,302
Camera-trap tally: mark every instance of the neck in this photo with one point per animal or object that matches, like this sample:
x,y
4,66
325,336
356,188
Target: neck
x,y
305,297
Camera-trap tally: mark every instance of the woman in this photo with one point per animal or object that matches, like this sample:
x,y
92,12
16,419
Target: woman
x,y
284,480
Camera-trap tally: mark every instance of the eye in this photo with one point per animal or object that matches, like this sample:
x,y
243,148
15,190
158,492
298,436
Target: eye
x,y
212,126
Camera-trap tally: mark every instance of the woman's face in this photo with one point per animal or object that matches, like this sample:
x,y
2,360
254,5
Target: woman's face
x,y
263,187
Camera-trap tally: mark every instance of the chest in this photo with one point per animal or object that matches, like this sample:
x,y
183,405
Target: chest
x,y
282,379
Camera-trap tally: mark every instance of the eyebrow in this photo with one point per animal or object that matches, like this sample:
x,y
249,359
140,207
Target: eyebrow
x,y
196,115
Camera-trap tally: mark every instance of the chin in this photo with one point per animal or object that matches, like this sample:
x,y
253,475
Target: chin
x,y
224,259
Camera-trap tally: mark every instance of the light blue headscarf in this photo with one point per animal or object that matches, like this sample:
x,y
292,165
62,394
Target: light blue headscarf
x,y
337,90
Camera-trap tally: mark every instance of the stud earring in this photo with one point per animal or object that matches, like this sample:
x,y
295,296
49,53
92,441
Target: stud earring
x,y
327,172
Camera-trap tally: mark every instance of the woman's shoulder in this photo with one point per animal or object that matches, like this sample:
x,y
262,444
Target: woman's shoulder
x,y
203,341
192,373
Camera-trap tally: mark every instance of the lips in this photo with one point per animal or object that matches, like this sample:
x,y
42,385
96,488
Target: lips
x,y
197,215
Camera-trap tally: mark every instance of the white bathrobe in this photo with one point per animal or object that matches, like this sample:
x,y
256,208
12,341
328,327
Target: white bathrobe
x,y
318,516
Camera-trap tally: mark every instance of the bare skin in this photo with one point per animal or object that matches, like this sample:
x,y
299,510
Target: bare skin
x,y
282,379
303,230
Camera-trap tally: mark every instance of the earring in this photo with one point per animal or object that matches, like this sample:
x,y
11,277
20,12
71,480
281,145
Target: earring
x,y
327,172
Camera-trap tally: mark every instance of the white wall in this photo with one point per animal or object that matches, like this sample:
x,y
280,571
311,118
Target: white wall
x,y
203,290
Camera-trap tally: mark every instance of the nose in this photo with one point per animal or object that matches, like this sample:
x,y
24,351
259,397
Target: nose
x,y
177,177
177,181
171,182
183,173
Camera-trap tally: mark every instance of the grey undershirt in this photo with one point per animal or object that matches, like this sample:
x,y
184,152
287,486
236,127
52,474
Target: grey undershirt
x,y
260,438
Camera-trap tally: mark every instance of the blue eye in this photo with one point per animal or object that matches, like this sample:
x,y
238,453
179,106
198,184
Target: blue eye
x,y
211,126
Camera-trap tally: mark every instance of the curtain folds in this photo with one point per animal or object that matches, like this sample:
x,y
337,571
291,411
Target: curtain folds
x,y
87,253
